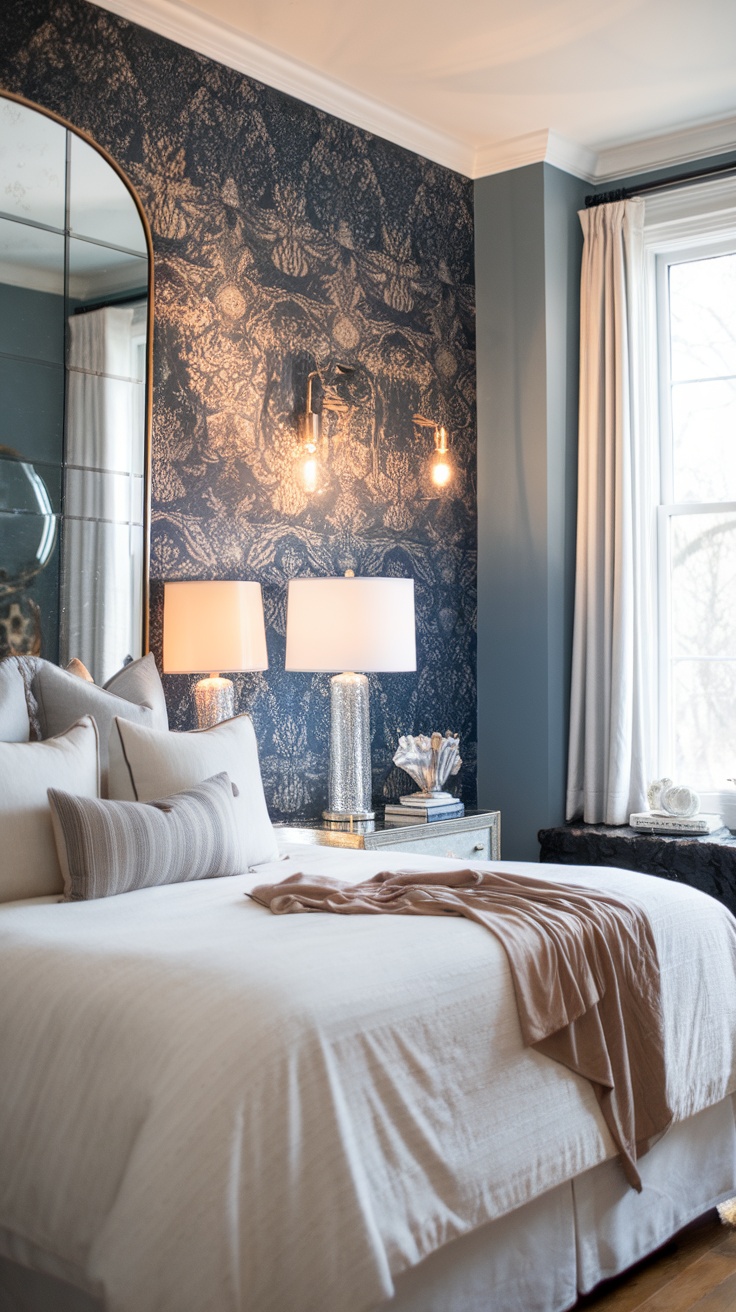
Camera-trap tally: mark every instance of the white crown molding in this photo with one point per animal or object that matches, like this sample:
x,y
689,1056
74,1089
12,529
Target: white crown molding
x,y
219,41
513,153
571,157
545,146
223,43
680,147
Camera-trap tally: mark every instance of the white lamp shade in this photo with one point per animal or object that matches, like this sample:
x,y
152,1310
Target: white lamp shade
x,y
363,625
209,627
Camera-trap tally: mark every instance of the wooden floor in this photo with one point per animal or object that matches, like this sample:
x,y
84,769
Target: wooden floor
x,y
696,1270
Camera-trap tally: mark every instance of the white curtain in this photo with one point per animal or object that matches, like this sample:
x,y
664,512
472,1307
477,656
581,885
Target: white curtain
x,y
103,489
610,759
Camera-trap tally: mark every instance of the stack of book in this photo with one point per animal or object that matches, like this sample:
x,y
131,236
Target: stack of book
x,y
417,809
659,822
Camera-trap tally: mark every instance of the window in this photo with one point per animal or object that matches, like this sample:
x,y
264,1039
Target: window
x,y
693,317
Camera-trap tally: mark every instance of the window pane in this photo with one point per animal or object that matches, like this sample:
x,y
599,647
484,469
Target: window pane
x,y
703,318
703,591
94,494
105,423
33,409
100,204
31,257
32,165
29,618
97,273
703,695
704,441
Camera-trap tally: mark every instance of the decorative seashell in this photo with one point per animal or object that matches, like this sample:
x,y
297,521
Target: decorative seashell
x,y
654,793
429,761
679,800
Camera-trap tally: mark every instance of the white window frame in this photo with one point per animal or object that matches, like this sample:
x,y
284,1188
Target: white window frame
x,y
691,223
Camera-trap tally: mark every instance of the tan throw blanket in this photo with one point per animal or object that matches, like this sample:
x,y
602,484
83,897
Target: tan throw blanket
x,y
584,966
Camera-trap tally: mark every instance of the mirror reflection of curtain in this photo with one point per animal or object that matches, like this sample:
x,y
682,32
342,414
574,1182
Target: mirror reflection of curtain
x,y
103,487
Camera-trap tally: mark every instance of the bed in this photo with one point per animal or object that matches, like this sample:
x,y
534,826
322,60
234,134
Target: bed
x,y
204,1106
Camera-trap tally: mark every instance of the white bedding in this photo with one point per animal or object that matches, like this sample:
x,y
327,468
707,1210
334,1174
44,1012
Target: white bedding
x,y
205,1106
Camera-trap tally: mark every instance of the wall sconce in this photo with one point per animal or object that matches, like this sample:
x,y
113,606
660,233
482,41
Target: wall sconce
x,y
441,467
311,435
311,424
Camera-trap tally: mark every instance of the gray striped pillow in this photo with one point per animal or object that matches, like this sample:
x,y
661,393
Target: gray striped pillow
x,y
114,847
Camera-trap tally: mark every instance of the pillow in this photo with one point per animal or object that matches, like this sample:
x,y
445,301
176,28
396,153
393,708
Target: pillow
x,y
139,681
134,693
107,848
30,866
144,763
75,666
15,724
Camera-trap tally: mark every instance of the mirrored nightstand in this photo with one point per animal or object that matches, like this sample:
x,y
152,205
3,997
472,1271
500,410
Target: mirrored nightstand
x,y
476,836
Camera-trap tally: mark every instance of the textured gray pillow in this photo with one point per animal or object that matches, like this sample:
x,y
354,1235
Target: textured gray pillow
x,y
140,682
135,693
107,847
14,721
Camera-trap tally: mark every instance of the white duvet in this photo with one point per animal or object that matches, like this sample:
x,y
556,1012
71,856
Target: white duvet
x,y
204,1107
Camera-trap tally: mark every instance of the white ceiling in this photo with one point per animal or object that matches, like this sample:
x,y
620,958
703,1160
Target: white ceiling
x,y
601,87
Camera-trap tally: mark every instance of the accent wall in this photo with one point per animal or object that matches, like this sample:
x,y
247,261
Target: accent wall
x,y
286,241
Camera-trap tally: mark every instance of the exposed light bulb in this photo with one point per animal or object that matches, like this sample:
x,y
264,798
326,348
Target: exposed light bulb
x,y
441,467
441,472
310,473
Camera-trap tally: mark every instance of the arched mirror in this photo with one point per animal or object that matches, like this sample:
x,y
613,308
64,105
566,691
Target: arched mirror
x,y
74,316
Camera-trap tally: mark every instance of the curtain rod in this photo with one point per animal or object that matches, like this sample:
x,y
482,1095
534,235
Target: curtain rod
x,y
679,180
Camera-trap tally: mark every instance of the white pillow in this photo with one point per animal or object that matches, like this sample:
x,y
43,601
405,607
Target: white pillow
x,y
135,693
146,764
14,722
30,866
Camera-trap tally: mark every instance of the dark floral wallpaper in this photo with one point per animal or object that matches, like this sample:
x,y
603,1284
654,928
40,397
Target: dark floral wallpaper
x,y
287,241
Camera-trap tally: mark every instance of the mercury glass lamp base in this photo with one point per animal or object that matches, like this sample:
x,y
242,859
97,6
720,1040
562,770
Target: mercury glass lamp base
x,y
350,787
348,817
214,699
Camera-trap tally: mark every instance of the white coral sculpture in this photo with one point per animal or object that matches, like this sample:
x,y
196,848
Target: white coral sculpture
x,y
429,761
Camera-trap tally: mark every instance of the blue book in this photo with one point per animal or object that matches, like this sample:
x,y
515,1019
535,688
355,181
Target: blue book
x,y
416,815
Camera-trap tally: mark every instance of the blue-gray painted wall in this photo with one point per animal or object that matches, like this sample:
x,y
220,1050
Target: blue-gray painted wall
x,y
528,250
527,260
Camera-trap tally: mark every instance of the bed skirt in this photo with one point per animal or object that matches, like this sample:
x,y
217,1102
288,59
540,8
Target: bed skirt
x,y
541,1256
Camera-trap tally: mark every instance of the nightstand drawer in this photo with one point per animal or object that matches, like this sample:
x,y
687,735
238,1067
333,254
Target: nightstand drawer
x,y
472,845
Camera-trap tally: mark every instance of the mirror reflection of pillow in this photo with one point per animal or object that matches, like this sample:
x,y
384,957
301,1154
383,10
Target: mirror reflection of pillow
x,y
29,866
134,693
145,762
107,847
75,666
14,719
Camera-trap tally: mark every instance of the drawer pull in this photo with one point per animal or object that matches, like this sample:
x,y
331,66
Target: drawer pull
x,y
479,847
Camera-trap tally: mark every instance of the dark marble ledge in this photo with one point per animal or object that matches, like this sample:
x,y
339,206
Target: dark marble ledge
x,y
704,861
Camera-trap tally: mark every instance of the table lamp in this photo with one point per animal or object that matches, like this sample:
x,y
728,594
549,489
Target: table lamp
x,y
212,626
357,626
